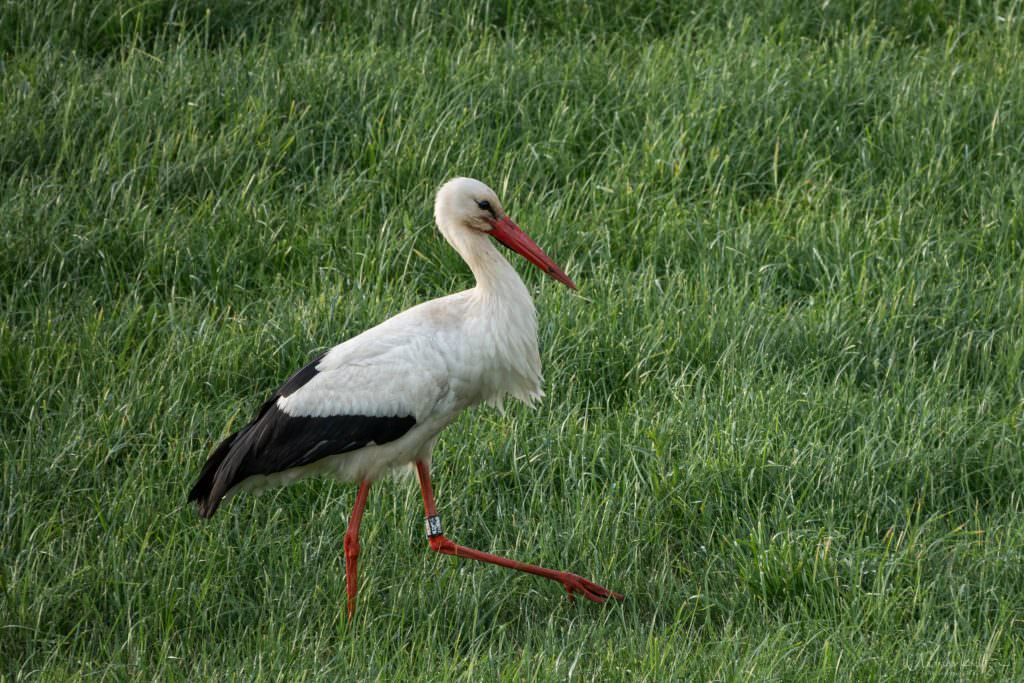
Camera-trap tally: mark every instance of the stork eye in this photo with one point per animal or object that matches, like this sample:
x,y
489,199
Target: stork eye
x,y
486,206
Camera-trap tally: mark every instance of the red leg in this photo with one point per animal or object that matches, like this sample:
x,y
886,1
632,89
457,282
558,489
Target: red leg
x,y
572,582
352,546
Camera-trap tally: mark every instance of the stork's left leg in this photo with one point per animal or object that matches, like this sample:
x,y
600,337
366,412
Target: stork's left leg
x,y
572,582
352,546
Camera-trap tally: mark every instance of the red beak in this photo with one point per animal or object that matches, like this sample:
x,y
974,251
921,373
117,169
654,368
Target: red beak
x,y
512,236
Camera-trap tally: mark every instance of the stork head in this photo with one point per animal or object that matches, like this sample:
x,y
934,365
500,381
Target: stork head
x,y
468,204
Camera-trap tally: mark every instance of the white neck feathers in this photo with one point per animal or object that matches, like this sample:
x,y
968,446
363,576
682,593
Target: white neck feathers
x,y
504,322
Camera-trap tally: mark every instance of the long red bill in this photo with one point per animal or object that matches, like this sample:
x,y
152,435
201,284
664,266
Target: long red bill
x,y
512,236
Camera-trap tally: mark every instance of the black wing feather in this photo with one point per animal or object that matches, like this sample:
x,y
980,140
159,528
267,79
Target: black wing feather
x,y
275,441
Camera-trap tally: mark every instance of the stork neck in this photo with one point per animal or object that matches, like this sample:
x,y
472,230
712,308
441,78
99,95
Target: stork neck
x,y
495,276
503,323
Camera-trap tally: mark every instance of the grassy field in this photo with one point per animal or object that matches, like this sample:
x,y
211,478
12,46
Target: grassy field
x,y
785,409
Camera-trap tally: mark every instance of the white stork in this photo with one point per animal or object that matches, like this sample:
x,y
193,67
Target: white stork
x,y
381,399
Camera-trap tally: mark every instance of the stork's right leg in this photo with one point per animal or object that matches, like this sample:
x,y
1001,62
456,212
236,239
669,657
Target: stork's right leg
x,y
352,546
573,584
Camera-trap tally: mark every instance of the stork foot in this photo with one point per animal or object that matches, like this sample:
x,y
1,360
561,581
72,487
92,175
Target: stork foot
x,y
588,589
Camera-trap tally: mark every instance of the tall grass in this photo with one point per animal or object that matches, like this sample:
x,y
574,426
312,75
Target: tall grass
x,y
784,411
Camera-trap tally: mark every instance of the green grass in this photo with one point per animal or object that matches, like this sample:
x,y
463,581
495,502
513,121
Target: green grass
x,y
785,410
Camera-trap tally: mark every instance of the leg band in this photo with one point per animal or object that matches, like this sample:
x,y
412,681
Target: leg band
x,y
434,526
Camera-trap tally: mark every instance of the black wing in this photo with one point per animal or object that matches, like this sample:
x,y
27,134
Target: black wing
x,y
275,441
